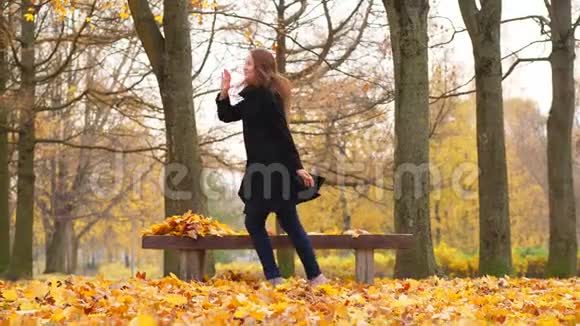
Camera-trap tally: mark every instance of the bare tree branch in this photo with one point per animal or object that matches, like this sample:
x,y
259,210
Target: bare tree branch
x,y
208,50
96,147
71,53
148,32
288,21
520,60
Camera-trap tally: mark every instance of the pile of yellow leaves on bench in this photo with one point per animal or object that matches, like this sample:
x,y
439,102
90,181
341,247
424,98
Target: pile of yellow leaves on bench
x,y
195,225
189,225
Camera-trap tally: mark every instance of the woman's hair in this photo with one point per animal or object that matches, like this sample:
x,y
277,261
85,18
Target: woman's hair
x,y
267,75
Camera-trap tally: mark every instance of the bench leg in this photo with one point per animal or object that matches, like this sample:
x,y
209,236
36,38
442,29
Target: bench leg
x,y
365,266
191,265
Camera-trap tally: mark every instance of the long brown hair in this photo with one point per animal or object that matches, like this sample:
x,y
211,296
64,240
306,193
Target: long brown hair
x,y
267,75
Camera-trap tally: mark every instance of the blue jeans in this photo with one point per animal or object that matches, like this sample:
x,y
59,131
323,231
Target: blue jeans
x,y
287,215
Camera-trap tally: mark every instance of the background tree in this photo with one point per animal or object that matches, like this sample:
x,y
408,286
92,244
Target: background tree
x,y
21,258
526,148
170,57
4,152
483,25
562,261
408,30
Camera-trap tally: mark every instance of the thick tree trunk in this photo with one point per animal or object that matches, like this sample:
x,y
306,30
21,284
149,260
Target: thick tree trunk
x,y
284,257
494,223
4,159
182,141
21,260
60,237
60,251
60,241
171,60
408,30
4,194
563,243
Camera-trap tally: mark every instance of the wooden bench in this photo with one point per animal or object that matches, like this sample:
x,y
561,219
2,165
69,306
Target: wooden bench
x,y
192,251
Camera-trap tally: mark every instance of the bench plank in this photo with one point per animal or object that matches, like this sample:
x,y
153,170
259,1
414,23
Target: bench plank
x,y
319,241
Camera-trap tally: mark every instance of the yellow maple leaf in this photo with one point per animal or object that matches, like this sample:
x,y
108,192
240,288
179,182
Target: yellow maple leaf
x,y
29,17
258,314
58,316
10,295
29,307
241,312
175,299
278,307
548,321
127,299
328,289
143,320
159,19
35,289
248,35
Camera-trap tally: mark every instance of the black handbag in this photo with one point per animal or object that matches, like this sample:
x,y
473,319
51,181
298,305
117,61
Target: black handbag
x,y
304,193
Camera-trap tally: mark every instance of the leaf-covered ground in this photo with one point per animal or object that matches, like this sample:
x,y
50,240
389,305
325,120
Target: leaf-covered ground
x,y
232,300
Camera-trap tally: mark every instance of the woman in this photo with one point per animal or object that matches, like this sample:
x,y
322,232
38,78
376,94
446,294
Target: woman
x,y
273,166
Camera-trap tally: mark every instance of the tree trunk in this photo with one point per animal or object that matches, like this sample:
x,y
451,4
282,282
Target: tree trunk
x,y
61,248
284,257
346,217
171,60
494,223
60,237
563,243
4,194
438,219
21,260
408,30
4,159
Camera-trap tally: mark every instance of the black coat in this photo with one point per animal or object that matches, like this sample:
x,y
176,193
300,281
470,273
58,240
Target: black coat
x,y
271,155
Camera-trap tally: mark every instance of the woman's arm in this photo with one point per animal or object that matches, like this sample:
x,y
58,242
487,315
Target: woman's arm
x,y
245,108
226,112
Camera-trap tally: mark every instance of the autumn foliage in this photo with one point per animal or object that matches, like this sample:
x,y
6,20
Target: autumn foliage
x,y
190,225
196,225
234,299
